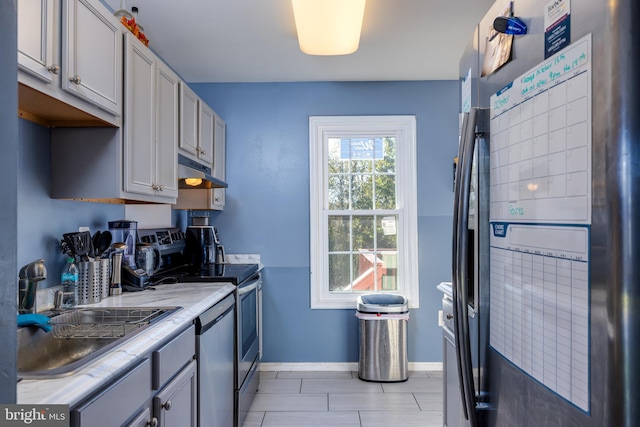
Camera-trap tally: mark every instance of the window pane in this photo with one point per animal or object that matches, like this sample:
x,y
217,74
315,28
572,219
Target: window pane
x,y
361,192
360,166
339,233
388,163
387,232
339,192
387,244
390,273
385,192
336,163
363,233
339,267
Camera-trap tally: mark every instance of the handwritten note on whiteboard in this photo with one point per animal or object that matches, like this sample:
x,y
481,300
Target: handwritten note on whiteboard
x,y
541,142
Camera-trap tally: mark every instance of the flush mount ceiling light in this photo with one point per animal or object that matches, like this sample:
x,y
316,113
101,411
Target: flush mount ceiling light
x,y
328,27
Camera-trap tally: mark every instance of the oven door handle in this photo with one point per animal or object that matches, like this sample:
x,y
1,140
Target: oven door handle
x,y
248,287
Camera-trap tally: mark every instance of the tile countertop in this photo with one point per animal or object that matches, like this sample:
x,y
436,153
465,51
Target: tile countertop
x,y
193,298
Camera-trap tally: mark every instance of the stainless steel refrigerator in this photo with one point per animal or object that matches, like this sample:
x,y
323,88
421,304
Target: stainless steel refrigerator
x,y
546,277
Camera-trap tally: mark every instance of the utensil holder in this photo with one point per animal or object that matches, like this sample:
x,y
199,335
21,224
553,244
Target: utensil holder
x,y
93,281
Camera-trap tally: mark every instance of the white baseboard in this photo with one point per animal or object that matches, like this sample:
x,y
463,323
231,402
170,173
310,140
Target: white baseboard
x,y
338,367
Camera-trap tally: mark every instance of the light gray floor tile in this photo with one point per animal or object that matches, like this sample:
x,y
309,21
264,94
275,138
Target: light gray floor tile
x,y
430,401
418,374
436,375
286,385
372,402
289,402
400,419
338,385
414,385
314,374
268,374
300,419
253,419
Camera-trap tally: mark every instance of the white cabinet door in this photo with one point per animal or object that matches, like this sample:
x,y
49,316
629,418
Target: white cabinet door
x,y
38,22
92,54
188,121
206,133
167,114
139,121
219,160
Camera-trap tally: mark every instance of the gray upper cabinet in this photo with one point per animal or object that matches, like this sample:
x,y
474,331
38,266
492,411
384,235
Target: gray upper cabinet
x,y
197,127
206,132
151,124
72,52
167,130
219,168
92,54
38,21
188,122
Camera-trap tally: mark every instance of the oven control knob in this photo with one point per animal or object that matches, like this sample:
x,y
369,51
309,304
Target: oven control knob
x,y
167,405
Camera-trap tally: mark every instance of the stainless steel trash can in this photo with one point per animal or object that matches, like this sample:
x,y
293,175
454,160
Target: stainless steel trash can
x,y
383,322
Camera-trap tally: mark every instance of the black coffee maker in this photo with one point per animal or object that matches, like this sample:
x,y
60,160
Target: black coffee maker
x,y
202,246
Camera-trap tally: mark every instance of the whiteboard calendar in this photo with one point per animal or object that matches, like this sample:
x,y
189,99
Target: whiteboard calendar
x,y
540,214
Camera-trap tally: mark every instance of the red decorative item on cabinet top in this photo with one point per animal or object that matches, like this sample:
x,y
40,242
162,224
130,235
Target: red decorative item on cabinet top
x,y
132,26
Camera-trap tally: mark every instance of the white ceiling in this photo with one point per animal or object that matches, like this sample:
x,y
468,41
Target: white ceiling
x,y
255,40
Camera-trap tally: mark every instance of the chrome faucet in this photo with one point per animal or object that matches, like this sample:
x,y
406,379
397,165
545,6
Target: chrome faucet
x,y
29,276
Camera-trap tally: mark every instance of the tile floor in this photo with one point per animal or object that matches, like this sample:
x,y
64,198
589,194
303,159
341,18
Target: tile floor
x,y
342,399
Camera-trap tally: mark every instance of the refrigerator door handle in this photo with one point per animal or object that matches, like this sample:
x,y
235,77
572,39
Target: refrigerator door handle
x,y
460,262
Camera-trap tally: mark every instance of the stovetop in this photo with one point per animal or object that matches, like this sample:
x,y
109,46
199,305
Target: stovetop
x,y
232,273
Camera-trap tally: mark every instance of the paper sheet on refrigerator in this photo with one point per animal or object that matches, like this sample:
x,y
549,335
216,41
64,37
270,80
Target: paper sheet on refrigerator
x,y
540,213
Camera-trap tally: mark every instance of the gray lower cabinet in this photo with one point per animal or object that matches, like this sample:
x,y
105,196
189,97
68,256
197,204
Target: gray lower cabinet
x,y
175,405
144,419
114,405
161,391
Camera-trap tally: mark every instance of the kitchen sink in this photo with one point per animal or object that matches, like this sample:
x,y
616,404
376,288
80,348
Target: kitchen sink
x,y
79,336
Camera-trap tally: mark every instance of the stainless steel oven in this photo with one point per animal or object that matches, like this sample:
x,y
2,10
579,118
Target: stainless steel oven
x,y
247,345
175,267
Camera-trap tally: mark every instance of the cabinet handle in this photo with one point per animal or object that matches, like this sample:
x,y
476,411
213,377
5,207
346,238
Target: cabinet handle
x,y
161,187
167,405
76,80
54,69
153,422
449,316
203,152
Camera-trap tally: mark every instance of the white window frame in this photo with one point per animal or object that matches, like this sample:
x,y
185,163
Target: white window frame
x,y
403,128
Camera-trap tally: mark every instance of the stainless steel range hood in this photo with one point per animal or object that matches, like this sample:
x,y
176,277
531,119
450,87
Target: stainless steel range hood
x,y
193,175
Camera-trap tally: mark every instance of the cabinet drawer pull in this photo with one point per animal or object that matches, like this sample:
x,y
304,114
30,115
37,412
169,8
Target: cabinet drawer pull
x,y
449,316
167,405
153,422
76,80
54,69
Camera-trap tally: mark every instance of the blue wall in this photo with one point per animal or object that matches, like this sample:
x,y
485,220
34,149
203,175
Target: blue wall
x,y
267,209
42,220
